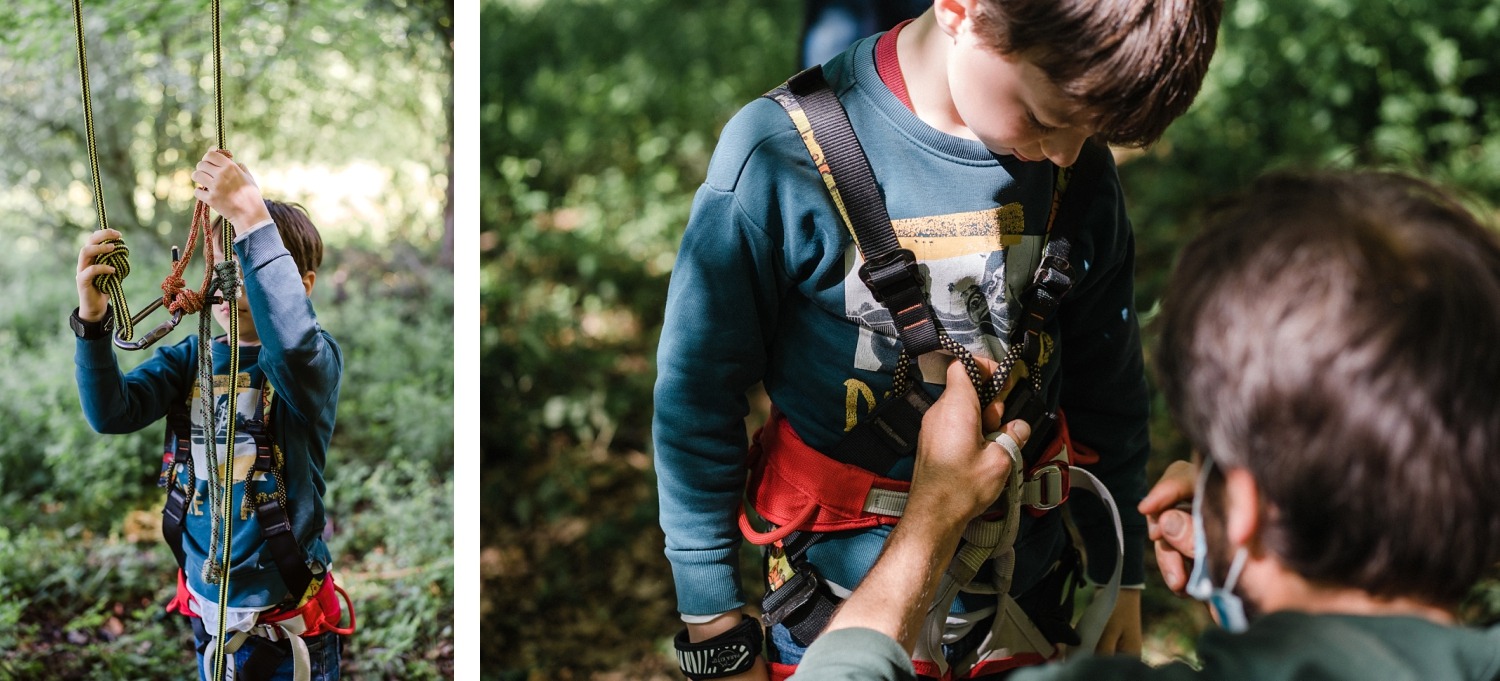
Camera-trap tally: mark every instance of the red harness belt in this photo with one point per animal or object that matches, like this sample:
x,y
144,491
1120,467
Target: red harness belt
x,y
319,614
797,488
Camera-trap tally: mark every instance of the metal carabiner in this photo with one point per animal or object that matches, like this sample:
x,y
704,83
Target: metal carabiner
x,y
154,335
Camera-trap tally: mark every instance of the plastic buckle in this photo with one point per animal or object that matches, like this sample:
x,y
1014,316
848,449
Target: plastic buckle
x,y
891,273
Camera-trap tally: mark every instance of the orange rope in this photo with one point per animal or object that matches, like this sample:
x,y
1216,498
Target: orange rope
x,y
175,293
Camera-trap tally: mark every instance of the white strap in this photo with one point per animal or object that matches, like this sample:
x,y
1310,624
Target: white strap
x,y
275,631
1042,489
1091,624
982,539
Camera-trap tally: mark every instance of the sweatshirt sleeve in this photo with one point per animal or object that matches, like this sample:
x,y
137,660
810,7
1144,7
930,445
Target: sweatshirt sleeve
x,y
115,403
721,311
1104,392
299,358
855,654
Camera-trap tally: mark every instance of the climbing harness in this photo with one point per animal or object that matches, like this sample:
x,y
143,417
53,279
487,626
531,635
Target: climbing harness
x,y
804,493
222,278
311,606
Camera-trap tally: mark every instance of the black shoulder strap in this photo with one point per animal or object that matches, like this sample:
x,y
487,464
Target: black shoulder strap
x,y
889,270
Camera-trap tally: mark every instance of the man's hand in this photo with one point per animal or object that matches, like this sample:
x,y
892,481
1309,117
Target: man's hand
x,y
958,472
228,188
1169,527
93,304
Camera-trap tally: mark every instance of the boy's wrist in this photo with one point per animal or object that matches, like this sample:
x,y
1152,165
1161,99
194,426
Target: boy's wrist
x,y
91,329
249,220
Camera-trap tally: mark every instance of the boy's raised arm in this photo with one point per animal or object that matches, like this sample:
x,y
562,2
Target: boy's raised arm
x,y
300,360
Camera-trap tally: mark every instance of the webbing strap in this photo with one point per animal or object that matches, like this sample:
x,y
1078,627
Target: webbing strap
x,y
889,270
887,434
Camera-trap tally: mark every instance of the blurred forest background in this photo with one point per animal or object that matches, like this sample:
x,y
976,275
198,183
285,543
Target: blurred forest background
x,y
342,105
598,121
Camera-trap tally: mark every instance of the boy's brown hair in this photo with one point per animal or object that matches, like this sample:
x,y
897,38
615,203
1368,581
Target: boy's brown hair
x,y
1336,336
298,234
1135,65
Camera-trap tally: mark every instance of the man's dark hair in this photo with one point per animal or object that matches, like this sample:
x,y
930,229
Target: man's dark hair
x,y
298,233
1134,64
1338,336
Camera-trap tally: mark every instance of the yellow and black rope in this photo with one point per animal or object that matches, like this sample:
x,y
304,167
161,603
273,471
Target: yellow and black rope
x,y
119,258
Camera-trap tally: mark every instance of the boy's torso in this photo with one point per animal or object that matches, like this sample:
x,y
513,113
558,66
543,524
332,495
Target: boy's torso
x,y
256,583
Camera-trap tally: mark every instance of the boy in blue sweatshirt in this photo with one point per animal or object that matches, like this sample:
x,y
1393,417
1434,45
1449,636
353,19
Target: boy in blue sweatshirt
x,y
965,114
282,614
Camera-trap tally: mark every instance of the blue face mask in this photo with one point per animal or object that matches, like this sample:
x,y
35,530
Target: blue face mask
x,y
1228,609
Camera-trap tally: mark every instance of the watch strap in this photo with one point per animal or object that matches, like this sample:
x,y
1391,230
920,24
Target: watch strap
x,y
91,330
732,652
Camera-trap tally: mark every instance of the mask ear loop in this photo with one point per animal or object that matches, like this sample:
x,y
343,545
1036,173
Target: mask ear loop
x,y
1228,607
1200,585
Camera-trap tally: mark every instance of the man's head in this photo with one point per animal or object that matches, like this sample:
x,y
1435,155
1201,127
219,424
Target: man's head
x,y
301,238
1038,77
1335,338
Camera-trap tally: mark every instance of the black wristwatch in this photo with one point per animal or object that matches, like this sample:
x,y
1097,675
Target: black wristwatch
x,y
92,330
732,652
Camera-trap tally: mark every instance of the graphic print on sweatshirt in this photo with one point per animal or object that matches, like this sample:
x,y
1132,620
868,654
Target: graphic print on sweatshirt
x,y
975,264
244,444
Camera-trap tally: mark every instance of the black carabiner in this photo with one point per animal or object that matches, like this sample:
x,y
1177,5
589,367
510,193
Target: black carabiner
x,y
155,334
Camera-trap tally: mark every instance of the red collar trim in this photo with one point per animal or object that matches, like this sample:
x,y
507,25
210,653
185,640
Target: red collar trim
x,y
889,66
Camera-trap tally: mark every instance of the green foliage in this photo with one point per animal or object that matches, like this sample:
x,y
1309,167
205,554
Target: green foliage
x,y
594,134
304,83
85,582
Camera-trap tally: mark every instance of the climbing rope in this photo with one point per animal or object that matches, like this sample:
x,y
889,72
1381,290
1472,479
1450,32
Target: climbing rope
x,y
222,276
226,276
110,282
988,388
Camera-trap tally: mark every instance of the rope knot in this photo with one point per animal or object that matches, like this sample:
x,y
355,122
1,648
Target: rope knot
x,y
226,274
178,297
118,259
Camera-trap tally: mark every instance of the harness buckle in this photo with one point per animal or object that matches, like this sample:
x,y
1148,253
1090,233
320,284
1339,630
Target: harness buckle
x,y
1051,485
891,273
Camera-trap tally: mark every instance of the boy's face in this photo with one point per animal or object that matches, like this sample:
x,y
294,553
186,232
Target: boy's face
x,y
1010,105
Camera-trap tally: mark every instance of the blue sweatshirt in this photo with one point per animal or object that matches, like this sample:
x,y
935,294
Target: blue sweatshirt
x,y
299,360
765,289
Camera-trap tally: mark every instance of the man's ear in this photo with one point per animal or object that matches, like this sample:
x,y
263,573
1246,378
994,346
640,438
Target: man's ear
x,y
1242,507
951,14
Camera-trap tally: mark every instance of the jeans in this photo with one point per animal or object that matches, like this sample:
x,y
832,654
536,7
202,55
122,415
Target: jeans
x,y
322,651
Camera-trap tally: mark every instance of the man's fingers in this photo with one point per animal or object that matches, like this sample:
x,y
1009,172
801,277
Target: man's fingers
x,y
1177,531
1172,566
958,380
1174,487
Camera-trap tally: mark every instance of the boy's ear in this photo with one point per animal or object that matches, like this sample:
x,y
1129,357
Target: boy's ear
x,y
309,278
951,14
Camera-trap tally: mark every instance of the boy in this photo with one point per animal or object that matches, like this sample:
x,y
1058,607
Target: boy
x,y
964,113
281,593
1327,347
